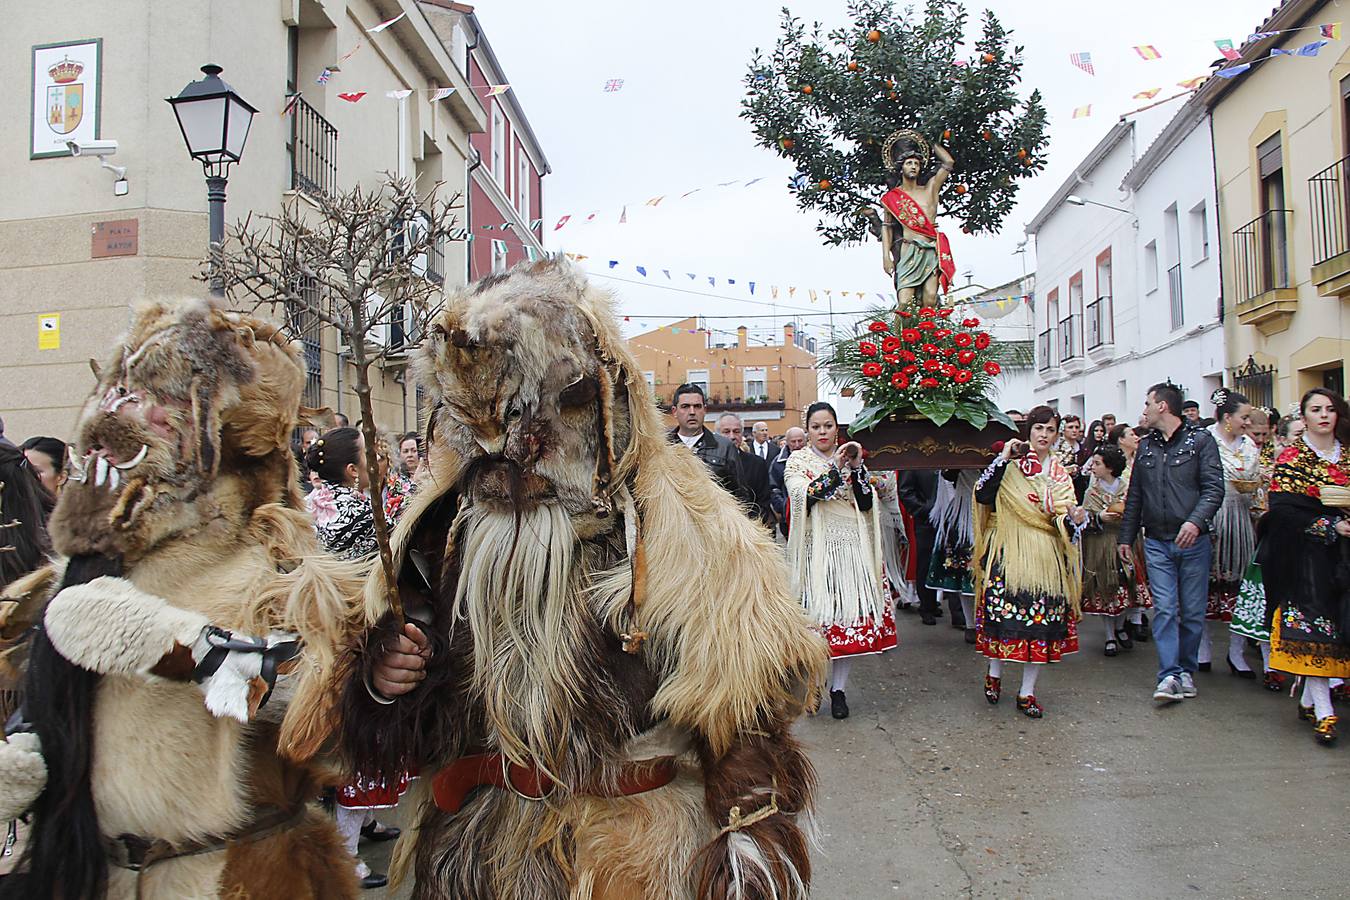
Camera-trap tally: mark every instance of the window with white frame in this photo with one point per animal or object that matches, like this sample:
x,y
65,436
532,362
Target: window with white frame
x,y
523,183
1150,267
698,377
1199,222
754,384
651,379
498,159
498,257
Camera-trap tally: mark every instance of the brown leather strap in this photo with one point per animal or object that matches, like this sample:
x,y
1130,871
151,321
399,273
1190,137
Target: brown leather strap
x,y
137,852
451,786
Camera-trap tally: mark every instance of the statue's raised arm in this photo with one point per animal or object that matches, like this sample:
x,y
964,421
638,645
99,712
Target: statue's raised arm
x,y
921,260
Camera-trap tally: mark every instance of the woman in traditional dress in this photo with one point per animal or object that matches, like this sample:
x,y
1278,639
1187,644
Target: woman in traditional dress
x,y
1110,588
1251,619
1234,535
834,548
895,542
1127,438
345,525
953,543
1028,579
1303,548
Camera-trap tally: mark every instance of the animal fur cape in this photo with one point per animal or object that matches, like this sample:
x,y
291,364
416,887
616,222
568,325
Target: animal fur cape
x,y
555,526
203,526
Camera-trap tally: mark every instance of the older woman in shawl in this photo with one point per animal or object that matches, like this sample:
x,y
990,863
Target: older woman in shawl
x,y
1028,576
1304,554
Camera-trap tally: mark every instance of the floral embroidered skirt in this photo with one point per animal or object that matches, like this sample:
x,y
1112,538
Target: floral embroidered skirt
x,y
862,637
1223,597
369,793
1322,660
1022,626
1249,611
1118,590
949,567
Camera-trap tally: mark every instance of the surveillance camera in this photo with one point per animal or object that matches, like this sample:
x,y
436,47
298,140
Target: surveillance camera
x,y
91,148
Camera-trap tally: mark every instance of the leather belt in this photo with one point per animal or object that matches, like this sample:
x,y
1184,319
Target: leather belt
x,y
137,853
452,785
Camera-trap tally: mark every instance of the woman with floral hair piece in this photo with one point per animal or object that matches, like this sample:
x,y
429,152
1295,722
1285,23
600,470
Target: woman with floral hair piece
x,y
1028,576
1234,534
834,548
1303,551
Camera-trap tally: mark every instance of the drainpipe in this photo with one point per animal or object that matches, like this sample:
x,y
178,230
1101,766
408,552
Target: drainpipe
x,y
468,212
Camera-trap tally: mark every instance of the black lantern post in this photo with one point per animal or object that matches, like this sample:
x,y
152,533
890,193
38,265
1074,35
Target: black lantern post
x,y
215,122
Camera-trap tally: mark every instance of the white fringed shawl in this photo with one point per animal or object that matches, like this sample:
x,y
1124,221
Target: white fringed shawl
x,y
834,551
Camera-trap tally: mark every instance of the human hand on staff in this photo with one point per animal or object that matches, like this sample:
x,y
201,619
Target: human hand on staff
x,y
1187,535
402,667
848,455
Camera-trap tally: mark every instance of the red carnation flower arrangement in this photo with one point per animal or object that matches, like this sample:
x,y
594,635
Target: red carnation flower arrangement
x,y
949,372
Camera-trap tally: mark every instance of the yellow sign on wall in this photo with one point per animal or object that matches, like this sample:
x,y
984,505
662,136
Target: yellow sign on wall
x,y
49,331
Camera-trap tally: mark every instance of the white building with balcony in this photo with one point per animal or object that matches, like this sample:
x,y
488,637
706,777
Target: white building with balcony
x,y
1128,273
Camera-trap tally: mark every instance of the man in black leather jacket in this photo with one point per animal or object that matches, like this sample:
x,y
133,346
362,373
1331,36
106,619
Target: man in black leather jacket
x,y
717,453
1176,487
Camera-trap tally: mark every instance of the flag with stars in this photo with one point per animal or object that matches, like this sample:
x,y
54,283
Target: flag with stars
x,y
1082,61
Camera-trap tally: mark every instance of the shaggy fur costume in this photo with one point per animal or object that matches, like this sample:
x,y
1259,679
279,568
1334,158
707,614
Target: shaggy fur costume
x,y
593,598
181,511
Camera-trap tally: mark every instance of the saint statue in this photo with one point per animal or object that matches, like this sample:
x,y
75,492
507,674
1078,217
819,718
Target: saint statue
x,y
915,254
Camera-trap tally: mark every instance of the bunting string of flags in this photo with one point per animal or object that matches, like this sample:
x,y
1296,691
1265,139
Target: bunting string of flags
x,y
1328,31
567,218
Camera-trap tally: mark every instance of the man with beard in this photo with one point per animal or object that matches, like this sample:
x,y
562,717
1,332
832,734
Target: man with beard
x,y
592,717
754,470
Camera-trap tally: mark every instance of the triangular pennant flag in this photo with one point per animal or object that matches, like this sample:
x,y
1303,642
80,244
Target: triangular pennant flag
x,y
623,216
506,226
399,95
774,290
1332,31
731,281
291,101
1148,94
812,292
752,289
655,201
666,272
530,253
1226,49
1260,36
1148,51
712,281
1280,51
627,319
1312,49
495,89
535,223
441,94
499,246
1191,84
1233,71
581,256
691,275
792,291
352,97
753,181
1082,61
641,270
613,263
590,218
561,222
324,76
1082,112
383,25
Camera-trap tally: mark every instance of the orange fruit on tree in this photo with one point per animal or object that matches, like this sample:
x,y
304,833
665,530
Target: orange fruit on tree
x,y
892,95
947,135
786,143
824,184
989,57
852,66
987,135
874,35
1022,154
806,89
961,188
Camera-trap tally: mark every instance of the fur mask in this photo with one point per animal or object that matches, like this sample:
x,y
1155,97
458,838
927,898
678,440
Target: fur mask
x,y
192,395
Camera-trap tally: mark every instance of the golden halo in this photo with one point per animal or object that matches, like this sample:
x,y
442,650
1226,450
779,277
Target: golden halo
x,y
922,147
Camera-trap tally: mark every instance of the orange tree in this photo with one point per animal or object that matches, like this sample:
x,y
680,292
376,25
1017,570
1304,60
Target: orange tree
x,y
827,102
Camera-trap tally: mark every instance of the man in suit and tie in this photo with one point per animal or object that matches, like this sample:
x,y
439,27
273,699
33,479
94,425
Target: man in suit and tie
x,y
763,446
755,469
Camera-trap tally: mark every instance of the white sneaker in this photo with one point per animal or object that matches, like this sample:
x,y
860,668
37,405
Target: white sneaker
x,y
1168,690
1187,685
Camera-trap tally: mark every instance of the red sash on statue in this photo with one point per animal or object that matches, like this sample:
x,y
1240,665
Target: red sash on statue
x,y
911,215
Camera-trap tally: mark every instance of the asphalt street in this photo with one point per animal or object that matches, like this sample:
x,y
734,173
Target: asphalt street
x,y
928,791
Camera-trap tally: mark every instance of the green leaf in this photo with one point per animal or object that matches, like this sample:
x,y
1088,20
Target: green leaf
x,y
939,408
998,415
974,413
867,418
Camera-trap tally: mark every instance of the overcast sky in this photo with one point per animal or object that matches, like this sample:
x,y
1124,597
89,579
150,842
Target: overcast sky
x,y
674,126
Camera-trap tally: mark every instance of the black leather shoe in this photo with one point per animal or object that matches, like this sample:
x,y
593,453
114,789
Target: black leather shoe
x,y
838,705
1206,667
1142,634
927,618
971,637
374,880
385,833
1125,640
1240,673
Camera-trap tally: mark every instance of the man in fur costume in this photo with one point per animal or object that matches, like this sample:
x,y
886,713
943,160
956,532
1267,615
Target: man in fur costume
x,y
602,660
190,587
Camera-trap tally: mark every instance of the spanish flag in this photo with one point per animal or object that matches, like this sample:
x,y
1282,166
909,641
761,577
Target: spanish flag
x,y
1082,112
1332,31
1191,84
1148,51
1148,94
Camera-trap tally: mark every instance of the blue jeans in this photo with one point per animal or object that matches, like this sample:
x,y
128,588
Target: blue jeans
x,y
1179,582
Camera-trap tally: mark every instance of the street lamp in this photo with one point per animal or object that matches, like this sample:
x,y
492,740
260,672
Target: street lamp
x,y
215,122
1075,200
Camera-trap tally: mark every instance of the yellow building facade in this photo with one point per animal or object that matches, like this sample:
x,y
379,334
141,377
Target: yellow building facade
x,y
1281,143
770,382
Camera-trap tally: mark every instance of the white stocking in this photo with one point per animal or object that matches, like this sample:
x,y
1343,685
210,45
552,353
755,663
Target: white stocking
x,y
1029,673
968,609
1320,689
1265,654
1206,648
1235,646
1136,616
1109,622
349,822
1306,698
839,674
995,668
